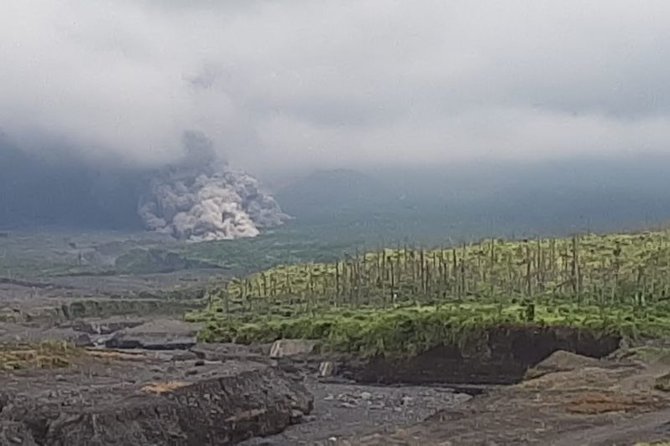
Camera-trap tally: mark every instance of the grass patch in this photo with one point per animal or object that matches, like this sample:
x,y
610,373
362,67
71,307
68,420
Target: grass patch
x,y
45,355
407,331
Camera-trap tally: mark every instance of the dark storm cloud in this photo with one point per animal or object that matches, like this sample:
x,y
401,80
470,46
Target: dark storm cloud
x,y
307,83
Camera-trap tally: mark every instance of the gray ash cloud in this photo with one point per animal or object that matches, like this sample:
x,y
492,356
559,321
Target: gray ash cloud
x,y
203,199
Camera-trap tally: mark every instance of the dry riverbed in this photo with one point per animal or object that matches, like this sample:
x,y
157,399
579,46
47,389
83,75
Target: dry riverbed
x,y
158,368
343,410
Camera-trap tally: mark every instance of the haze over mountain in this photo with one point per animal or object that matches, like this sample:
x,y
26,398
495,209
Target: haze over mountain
x,y
327,193
468,200
59,191
531,115
487,199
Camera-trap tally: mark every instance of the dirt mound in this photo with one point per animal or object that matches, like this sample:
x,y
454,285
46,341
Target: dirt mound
x,y
561,361
587,378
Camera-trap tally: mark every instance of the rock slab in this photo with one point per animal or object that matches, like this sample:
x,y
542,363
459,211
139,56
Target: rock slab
x,y
216,411
156,335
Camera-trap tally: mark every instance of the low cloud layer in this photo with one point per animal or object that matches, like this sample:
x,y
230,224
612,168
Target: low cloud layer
x,y
294,84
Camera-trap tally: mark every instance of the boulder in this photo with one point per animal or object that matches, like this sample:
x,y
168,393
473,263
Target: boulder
x,y
284,348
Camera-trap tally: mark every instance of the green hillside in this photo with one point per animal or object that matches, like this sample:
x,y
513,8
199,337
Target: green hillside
x,y
611,284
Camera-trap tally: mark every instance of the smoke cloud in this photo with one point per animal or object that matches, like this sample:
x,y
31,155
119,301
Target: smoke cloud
x,y
202,199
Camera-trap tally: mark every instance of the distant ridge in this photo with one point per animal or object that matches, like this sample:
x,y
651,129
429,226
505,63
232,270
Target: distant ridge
x,y
328,192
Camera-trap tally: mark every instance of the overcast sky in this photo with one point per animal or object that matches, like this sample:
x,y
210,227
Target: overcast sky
x,y
281,84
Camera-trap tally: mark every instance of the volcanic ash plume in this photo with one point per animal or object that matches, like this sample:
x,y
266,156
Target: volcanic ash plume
x,y
208,201
211,205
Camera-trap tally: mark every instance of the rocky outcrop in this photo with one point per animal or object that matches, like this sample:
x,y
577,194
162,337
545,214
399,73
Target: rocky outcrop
x,y
228,351
156,335
216,411
104,326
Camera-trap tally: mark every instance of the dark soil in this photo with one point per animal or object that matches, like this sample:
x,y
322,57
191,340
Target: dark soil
x,y
500,356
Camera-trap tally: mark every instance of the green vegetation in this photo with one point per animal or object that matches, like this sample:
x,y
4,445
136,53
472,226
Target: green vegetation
x,y
406,300
410,330
287,245
154,260
26,255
